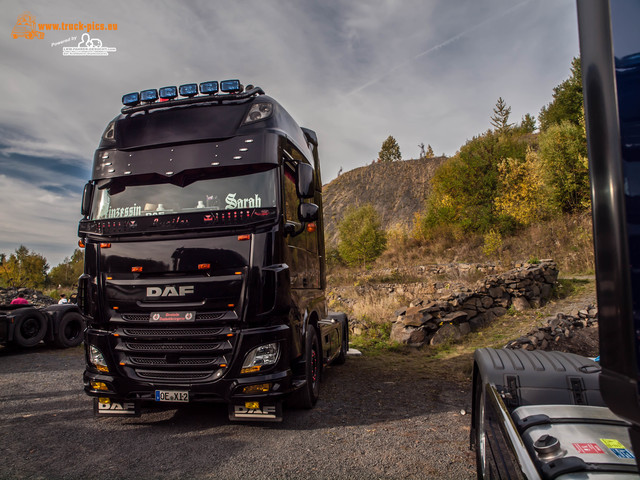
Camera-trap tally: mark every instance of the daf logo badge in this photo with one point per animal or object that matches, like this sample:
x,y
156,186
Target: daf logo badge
x,y
170,291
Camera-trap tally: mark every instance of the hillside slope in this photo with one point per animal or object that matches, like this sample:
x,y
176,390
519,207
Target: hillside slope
x,y
397,190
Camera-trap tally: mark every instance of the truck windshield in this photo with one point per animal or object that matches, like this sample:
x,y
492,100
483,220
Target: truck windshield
x,y
116,199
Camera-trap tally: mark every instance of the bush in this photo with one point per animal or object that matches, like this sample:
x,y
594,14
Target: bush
x,y
361,239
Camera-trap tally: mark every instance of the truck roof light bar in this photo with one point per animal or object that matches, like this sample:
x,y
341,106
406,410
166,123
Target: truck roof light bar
x,y
131,99
149,95
188,90
208,88
231,86
168,93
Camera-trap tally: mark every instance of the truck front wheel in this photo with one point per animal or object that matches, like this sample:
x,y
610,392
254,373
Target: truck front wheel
x,y
307,396
70,330
29,330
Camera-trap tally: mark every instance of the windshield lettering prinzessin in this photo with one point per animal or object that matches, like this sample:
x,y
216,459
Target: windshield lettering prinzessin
x,y
233,202
120,212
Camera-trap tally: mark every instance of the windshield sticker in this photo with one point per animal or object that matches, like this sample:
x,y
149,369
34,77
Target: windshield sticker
x,y
120,212
233,202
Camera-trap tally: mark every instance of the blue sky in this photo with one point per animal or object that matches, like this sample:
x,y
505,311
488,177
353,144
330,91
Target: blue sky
x,y
421,70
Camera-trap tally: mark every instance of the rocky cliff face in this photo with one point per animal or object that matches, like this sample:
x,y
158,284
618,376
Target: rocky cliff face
x,y
397,190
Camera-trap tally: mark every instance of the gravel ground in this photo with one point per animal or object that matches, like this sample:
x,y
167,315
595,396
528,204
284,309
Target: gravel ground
x,y
378,417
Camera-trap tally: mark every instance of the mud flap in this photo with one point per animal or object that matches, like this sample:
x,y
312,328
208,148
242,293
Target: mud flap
x,y
263,412
120,408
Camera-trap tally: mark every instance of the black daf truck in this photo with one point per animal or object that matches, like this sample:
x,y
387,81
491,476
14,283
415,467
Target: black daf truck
x,y
552,415
204,256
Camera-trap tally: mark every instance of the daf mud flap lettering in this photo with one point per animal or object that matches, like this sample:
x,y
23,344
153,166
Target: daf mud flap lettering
x,y
259,412
103,408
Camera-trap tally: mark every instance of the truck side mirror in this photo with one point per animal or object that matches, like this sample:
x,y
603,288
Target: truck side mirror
x,y
87,194
304,182
307,212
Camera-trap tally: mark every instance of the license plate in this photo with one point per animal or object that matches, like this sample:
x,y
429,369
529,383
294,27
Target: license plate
x,y
172,396
173,316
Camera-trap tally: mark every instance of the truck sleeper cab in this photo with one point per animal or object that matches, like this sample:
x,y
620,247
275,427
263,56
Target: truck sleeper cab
x,y
204,256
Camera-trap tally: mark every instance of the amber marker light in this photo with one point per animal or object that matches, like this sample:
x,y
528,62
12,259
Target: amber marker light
x,y
105,245
244,237
231,305
116,308
204,266
238,273
136,269
81,244
311,227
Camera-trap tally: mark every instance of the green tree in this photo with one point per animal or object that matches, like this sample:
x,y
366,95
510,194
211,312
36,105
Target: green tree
x,y
24,269
66,273
361,239
390,150
528,124
500,117
465,186
567,100
563,152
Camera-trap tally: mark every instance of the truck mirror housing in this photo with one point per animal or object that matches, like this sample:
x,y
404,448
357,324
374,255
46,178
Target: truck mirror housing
x,y
307,212
87,194
304,183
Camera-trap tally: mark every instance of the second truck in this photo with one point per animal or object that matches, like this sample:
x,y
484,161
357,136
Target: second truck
x,y
204,256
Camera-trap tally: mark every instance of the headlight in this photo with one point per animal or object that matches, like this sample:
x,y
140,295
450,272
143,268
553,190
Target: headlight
x,y
258,111
97,359
260,357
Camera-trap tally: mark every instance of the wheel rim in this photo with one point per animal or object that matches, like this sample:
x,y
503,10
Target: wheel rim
x,y
30,328
314,366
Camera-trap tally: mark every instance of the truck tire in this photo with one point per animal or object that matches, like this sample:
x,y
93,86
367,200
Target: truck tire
x,y
70,330
344,346
30,330
480,432
307,396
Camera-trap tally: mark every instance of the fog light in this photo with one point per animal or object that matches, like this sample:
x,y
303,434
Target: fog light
x,y
252,405
98,385
261,388
104,400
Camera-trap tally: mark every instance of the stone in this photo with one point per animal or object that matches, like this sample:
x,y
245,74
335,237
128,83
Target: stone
x,y
406,335
399,312
486,301
545,291
447,332
498,311
520,304
465,328
455,317
476,323
496,292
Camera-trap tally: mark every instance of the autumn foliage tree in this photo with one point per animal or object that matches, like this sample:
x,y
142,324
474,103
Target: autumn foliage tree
x,y
23,269
66,273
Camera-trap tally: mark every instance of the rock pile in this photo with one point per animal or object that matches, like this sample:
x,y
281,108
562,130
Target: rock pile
x,y
556,329
455,315
34,297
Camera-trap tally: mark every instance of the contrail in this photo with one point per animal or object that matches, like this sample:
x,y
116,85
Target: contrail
x,y
437,47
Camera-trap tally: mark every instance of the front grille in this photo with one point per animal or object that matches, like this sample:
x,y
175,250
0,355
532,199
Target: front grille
x,y
181,361
173,354
171,332
173,347
176,376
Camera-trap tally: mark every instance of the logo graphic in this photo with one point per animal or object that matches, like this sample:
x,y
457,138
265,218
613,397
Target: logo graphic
x,y
26,27
170,291
88,47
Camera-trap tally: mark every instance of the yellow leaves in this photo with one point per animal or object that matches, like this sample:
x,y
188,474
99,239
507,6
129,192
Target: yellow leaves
x,y
523,194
